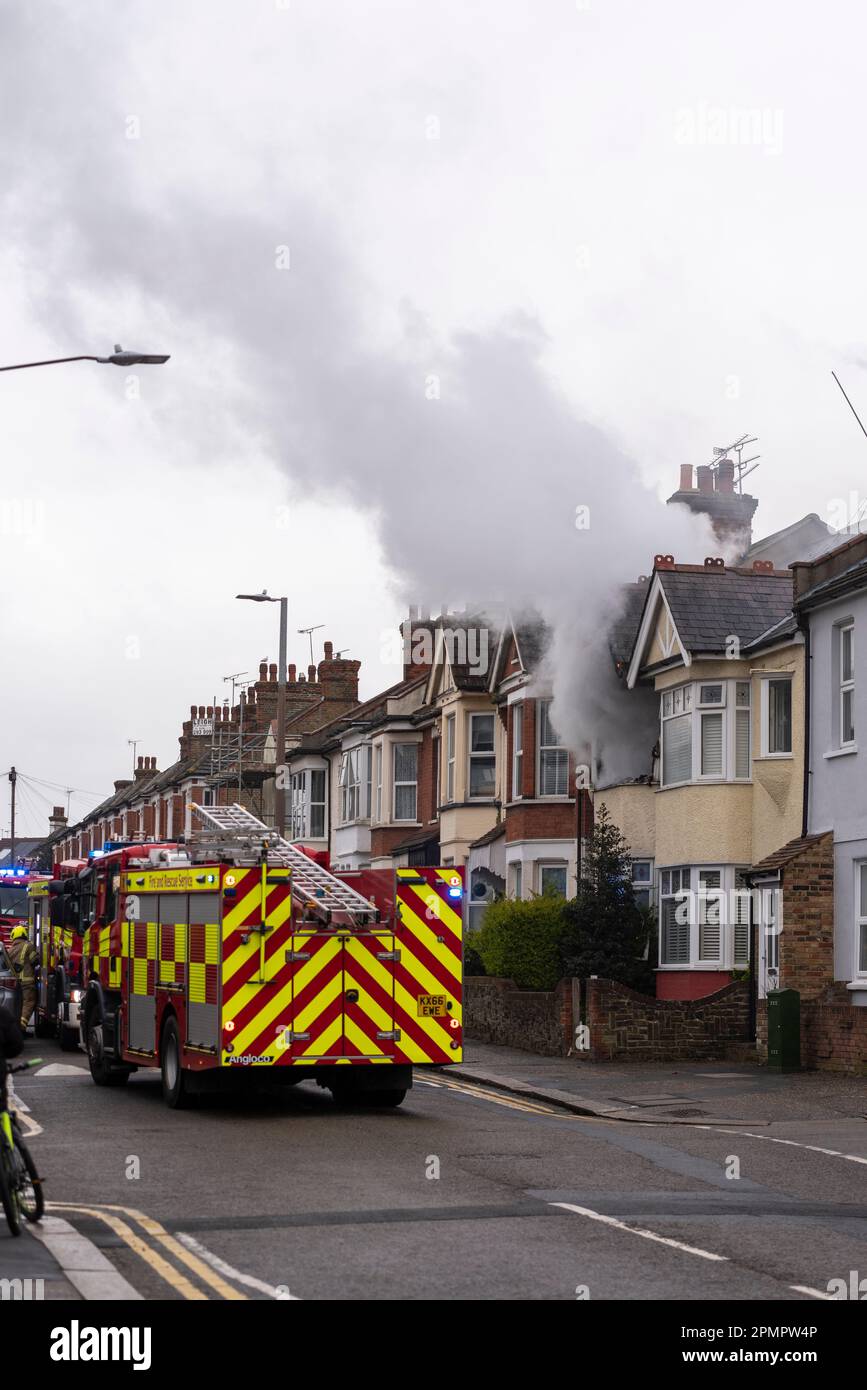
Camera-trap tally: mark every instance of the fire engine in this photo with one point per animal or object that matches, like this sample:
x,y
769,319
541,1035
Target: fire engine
x,y
53,916
237,955
14,885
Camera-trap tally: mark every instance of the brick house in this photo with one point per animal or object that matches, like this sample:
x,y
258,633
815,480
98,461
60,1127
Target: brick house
x,y
536,774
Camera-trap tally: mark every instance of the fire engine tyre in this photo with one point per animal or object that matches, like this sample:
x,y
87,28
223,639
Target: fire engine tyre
x,y
103,1073
43,1027
176,1083
68,1038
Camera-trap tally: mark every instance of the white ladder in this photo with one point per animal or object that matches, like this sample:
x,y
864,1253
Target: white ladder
x,y
248,832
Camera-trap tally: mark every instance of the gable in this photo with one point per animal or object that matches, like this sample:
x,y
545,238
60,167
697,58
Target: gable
x,y
657,640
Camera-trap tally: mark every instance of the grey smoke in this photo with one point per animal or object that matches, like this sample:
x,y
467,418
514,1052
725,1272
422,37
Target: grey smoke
x,y
463,449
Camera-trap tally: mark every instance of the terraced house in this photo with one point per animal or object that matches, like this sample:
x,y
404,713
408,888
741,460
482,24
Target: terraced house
x,y
719,660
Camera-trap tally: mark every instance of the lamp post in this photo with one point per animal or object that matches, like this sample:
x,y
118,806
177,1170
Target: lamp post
x,y
118,358
279,792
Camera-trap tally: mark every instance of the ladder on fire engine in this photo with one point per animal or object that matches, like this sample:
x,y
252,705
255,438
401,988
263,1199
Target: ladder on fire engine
x,y
233,827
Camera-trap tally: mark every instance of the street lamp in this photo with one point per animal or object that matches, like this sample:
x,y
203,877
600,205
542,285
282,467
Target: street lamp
x,y
279,792
118,358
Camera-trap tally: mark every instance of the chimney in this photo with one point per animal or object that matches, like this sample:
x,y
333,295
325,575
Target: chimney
x,y
329,651
263,670
57,819
272,671
311,673
292,670
730,513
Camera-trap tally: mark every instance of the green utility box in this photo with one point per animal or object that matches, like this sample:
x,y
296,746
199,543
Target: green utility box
x,y
784,1030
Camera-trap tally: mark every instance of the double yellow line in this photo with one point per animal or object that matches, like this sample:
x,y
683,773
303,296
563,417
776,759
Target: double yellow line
x,y
530,1107
150,1246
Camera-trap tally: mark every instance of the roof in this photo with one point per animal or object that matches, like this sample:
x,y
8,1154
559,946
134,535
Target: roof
x,y
788,852
803,540
624,630
854,576
709,605
419,837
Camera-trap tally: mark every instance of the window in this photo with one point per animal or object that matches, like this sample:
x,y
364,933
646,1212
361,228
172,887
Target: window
x,y
481,756
405,781
553,759
676,735
741,920
517,750
709,916
743,728
317,804
847,684
307,804
517,876
711,699
861,900
642,882
777,717
450,757
552,879
674,925
354,781
377,758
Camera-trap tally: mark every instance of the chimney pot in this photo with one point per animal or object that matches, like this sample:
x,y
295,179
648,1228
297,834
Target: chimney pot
x,y
201,711
663,562
329,650
141,760
686,483
263,670
725,478
272,671
292,670
192,711
311,673
714,562
705,478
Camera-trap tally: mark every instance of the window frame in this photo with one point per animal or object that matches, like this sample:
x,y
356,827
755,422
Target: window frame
x,y
405,782
542,718
487,755
451,757
517,750
766,715
546,865
845,685
860,961
728,894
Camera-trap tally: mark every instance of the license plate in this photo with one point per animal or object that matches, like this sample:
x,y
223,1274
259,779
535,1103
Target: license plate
x,y
432,1006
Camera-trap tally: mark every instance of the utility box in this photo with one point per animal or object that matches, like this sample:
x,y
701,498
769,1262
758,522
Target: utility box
x,y
784,1030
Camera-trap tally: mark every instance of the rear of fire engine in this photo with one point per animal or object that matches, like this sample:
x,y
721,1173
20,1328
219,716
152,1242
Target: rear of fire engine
x,y
238,957
53,918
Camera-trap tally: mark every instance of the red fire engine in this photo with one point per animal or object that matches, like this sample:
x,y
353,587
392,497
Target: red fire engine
x,y
53,917
14,910
239,954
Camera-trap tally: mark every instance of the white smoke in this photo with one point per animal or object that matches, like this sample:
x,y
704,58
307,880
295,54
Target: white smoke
x,y
480,475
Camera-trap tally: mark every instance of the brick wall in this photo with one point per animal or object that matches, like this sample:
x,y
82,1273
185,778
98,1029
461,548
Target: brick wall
x,y
629,1026
496,1011
541,820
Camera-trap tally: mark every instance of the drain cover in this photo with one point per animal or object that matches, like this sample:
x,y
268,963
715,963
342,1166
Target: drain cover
x,y
685,1114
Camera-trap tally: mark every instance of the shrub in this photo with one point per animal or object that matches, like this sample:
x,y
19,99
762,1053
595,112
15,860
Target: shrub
x,y
521,940
606,931
473,963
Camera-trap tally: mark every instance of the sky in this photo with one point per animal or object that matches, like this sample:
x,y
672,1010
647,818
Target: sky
x,y
432,278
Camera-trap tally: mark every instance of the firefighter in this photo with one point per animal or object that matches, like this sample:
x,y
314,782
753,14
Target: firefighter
x,y
24,958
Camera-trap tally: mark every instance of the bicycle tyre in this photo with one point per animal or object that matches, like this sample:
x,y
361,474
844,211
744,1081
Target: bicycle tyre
x,y
8,1195
34,1210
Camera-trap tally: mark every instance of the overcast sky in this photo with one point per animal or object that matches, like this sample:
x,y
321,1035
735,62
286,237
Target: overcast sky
x,y
610,232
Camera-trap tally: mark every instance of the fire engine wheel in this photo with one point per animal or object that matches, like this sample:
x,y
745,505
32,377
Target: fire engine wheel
x,y
43,1027
103,1073
176,1085
68,1038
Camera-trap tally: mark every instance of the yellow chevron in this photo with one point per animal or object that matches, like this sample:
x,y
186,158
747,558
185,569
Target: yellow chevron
x,y
235,912
274,1002
365,1044
427,935
325,1044
441,909
318,1004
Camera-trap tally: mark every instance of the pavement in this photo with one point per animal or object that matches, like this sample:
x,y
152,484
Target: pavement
x,y
485,1184
670,1093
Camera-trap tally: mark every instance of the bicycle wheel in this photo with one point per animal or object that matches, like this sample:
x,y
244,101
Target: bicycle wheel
x,y
30,1196
8,1191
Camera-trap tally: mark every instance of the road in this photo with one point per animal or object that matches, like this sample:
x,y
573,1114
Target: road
x,y
460,1194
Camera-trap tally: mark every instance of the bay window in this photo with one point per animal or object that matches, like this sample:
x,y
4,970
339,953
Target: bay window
x,y
482,759
405,781
553,878
553,778
704,917
307,804
706,732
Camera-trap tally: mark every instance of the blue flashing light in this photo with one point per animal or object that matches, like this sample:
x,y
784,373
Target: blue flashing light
x,y
15,873
454,892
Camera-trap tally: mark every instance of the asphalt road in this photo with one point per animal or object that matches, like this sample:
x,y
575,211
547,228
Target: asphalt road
x,y
459,1194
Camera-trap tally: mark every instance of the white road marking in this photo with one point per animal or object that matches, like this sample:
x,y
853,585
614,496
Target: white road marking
x,y
29,1127
222,1267
63,1069
793,1143
812,1293
640,1231
85,1267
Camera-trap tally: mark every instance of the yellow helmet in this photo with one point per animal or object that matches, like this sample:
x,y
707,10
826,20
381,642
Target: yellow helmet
x,y
17,933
